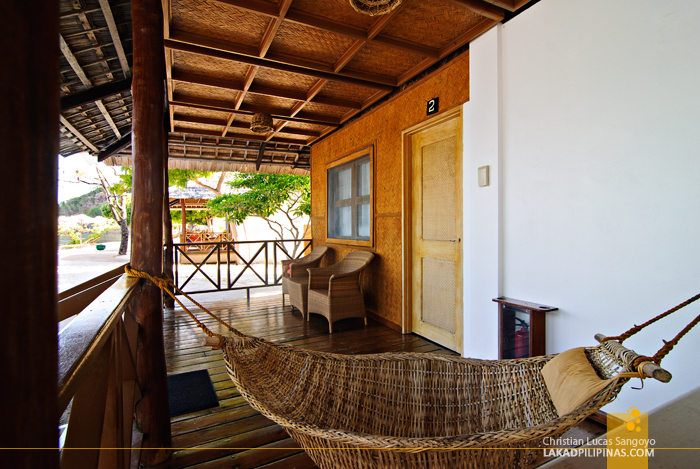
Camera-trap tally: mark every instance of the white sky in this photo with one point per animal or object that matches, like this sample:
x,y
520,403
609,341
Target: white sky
x,y
83,164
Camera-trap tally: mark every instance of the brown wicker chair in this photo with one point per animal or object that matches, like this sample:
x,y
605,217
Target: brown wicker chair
x,y
296,283
335,292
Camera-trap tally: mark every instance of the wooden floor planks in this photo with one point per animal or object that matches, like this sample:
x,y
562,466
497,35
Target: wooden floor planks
x,y
234,434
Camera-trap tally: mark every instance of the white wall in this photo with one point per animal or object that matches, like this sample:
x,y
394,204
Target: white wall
x,y
596,146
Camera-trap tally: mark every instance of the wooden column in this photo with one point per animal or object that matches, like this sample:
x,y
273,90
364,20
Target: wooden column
x,y
148,90
29,131
168,302
183,232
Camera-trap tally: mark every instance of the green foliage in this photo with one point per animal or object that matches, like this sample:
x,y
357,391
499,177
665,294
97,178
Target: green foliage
x,y
107,212
126,177
82,203
194,217
95,211
180,177
263,195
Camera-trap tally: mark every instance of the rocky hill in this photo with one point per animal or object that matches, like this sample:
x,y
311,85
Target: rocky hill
x,y
83,203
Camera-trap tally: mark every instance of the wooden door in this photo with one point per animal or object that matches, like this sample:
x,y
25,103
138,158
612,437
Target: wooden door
x,y
436,233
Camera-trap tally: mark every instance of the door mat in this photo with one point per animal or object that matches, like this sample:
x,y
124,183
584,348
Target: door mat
x,y
190,392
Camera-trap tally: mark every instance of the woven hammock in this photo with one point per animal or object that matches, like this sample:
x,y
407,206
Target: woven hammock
x,y
415,410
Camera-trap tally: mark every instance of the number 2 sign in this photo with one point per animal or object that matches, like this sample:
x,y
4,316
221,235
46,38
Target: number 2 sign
x,y
433,106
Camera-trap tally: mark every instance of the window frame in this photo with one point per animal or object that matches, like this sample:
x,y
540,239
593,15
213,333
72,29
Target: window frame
x,y
351,161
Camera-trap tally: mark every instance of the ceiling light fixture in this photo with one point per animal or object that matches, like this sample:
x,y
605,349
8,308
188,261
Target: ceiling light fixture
x,y
261,123
374,7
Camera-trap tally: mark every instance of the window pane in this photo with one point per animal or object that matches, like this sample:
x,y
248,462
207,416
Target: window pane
x,y
344,222
344,189
363,220
363,179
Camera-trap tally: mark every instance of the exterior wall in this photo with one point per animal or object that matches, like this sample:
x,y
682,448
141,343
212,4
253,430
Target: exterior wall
x,y
383,128
589,114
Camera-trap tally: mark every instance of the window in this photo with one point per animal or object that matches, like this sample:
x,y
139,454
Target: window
x,y
350,198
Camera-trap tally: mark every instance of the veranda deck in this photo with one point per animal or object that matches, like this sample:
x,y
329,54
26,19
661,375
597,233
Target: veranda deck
x,y
234,434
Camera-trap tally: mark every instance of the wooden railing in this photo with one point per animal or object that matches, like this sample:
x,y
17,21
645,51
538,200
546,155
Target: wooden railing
x,y
75,299
264,262
97,377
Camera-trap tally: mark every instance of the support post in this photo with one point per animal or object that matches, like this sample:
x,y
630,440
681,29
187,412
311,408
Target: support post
x,y
168,302
183,231
29,131
148,90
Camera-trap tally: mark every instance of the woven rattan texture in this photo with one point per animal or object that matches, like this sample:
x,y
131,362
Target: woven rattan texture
x,y
443,22
271,103
284,80
438,191
206,92
383,127
387,406
438,293
334,89
339,10
196,112
211,67
219,20
326,110
383,60
316,44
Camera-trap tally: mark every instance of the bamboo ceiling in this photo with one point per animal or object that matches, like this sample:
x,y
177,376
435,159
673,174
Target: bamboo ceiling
x,y
310,64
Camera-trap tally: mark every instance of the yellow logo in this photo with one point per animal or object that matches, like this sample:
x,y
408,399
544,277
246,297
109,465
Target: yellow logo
x,y
628,444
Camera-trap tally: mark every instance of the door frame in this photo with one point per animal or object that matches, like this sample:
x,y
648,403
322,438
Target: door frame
x,y
407,208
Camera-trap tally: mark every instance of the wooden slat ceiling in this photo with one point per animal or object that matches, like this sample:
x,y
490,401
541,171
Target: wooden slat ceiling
x,y
310,64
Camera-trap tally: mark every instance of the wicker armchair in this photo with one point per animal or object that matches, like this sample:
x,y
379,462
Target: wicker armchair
x,y
296,283
335,291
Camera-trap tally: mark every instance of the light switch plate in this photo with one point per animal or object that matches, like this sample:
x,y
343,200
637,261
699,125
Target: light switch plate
x,y
483,176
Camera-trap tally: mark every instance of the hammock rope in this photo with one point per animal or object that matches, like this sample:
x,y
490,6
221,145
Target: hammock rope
x,y
668,346
170,288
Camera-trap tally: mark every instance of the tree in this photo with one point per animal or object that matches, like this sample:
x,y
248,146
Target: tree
x,y
263,196
117,198
180,178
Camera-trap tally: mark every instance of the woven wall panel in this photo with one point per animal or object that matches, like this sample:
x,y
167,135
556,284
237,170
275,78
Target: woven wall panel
x,y
384,60
450,21
338,10
439,295
439,191
209,66
219,20
382,127
313,44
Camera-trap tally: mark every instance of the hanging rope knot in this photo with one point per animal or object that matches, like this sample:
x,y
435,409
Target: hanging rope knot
x,y
167,285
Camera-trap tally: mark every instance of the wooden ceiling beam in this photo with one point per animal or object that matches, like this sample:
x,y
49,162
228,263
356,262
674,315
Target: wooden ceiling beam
x,y
213,146
187,77
272,28
261,153
236,125
192,159
95,93
108,118
73,62
481,7
80,136
208,48
224,106
373,31
116,40
115,147
255,138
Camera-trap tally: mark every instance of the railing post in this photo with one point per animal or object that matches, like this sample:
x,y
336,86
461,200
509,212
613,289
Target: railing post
x,y
29,130
148,90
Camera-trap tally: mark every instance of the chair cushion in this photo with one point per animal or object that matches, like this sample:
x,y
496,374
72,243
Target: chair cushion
x,y
571,380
